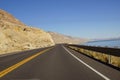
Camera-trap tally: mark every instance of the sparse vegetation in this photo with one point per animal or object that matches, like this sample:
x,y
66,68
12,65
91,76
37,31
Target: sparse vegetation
x,y
110,59
16,36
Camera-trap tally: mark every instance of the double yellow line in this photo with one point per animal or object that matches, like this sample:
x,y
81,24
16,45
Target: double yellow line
x,y
15,66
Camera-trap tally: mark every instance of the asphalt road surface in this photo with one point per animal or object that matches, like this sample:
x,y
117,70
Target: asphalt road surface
x,y
54,63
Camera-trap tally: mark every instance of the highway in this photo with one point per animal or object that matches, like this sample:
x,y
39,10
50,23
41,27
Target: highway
x,y
54,63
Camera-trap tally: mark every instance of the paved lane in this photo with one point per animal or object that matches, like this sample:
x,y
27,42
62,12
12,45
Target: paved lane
x,y
56,64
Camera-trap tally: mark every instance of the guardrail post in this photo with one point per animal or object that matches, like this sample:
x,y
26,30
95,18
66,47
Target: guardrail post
x,y
109,59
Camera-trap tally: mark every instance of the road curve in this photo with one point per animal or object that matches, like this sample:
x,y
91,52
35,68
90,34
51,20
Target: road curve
x,y
58,63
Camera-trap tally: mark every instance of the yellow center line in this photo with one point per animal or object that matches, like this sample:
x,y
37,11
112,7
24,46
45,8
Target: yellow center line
x,y
15,66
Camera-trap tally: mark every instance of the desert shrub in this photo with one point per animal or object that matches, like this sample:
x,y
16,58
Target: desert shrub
x,y
114,60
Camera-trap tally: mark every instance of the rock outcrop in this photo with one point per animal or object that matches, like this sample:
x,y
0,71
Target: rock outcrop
x,y
16,36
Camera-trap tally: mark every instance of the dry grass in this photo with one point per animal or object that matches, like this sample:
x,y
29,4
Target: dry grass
x,y
113,60
14,35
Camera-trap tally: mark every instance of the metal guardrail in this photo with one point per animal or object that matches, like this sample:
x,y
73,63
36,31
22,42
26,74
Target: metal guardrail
x,y
109,51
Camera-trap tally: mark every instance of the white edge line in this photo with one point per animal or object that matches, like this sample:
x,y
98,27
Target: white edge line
x,y
100,74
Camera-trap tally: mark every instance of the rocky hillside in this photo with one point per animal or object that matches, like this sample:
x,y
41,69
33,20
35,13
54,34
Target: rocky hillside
x,y
14,35
4,16
60,38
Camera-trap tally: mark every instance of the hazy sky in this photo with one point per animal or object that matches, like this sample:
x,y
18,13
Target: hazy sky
x,y
80,18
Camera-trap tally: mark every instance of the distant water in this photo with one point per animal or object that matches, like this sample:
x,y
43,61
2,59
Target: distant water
x,y
105,43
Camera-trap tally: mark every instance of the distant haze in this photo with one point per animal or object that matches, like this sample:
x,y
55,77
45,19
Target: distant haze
x,y
114,43
60,38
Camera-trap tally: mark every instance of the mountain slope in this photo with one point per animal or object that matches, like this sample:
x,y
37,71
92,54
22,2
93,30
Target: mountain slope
x,y
60,38
4,16
14,35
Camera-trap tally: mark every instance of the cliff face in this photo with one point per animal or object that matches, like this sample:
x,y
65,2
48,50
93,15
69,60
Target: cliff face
x,y
60,38
14,35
